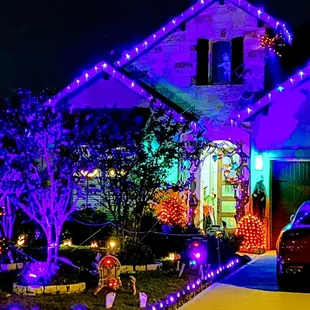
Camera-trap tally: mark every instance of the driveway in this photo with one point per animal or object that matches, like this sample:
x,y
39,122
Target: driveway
x,y
253,287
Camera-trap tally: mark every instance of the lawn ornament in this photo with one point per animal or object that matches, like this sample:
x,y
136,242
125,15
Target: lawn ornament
x,y
94,245
195,255
133,283
22,240
109,300
109,269
143,300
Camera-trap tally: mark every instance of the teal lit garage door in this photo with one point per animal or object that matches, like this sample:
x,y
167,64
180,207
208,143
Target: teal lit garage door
x,y
290,188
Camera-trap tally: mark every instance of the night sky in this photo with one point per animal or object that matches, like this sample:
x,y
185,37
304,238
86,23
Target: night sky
x,y
49,42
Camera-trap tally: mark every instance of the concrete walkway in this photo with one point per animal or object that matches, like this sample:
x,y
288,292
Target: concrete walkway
x,y
253,287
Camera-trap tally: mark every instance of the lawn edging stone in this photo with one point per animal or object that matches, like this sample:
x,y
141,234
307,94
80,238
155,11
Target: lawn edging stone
x,y
33,290
11,267
131,269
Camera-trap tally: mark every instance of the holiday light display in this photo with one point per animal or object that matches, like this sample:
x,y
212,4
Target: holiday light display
x,y
197,250
239,180
278,93
175,23
173,212
176,299
271,42
251,229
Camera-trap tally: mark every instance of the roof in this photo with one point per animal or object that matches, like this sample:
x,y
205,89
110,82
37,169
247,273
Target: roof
x,y
104,67
278,93
201,5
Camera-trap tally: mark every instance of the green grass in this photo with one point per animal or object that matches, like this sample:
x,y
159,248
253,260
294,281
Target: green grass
x,y
156,284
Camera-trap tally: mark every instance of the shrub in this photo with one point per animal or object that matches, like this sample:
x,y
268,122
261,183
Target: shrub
x,y
139,254
227,244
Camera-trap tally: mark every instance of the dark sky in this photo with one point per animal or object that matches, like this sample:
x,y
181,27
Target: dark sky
x,y
50,42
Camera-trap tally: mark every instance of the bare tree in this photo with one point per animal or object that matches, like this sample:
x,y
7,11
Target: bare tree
x,y
43,153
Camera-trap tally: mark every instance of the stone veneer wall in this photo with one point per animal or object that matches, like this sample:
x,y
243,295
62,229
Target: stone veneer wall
x,y
172,63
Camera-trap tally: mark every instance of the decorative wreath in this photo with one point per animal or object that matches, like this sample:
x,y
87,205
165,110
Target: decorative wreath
x,y
228,178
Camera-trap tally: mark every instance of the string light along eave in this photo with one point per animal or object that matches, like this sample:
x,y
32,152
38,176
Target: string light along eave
x,y
104,67
275,94
177,21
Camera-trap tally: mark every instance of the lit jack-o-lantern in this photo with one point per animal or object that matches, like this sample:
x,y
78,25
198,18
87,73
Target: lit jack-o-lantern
x,y
94,245
174,257
67,243
22,240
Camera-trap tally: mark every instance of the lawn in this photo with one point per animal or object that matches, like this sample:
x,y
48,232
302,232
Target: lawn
x,y
156,284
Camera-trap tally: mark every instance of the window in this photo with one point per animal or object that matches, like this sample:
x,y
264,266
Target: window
x,y
226,62
221,62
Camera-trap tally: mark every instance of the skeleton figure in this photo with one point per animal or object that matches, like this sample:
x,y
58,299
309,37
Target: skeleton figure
x,y
226,65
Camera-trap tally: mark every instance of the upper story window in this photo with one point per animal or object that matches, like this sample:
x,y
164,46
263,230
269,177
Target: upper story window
x,y
219,62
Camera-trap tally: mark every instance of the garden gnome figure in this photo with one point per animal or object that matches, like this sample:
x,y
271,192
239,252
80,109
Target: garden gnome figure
x,y
109,300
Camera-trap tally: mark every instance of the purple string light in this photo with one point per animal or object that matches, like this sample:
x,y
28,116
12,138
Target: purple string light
x,y
194,286
200,6
278,92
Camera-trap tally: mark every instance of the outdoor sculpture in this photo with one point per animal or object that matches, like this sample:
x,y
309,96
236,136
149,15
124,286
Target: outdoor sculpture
x,y
109,269
195,255
259,199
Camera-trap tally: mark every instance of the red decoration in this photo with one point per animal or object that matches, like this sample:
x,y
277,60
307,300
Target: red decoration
x,y
251,229
108,263
173,212
113,284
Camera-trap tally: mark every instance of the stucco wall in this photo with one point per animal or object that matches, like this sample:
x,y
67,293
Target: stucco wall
x,y
107,92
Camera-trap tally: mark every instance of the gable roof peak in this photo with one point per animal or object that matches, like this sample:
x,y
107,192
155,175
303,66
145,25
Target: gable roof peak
x,y
190,13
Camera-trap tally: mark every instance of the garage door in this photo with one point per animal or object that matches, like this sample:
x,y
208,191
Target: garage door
x,y
290,188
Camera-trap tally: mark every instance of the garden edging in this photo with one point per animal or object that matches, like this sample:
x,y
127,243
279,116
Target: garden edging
x,y
10,267
131,268
177,299
33,290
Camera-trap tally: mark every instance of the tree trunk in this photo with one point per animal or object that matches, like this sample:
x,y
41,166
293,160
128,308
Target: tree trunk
x,y
53,233
7,221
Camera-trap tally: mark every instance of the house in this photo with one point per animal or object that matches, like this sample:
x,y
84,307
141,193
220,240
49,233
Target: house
x,y
280,149
207,64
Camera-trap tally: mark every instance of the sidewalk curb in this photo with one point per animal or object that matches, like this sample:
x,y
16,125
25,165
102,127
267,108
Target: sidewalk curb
x,y
200,295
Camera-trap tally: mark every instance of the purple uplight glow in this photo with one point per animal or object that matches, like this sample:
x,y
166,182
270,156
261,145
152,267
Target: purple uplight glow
x,y
197,255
